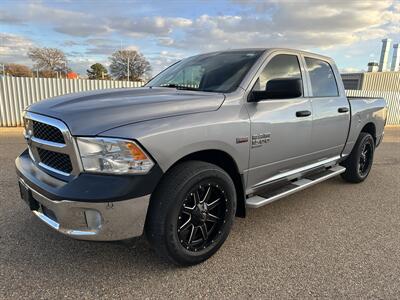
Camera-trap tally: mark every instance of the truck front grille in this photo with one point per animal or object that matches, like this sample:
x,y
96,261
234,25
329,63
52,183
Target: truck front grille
x,y
47,132
58,161
51,145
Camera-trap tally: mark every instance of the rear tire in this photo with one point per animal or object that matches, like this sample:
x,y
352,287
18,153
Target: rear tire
x,y
191,212
359,163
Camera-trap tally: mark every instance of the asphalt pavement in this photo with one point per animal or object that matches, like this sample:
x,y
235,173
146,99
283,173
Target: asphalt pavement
x,y
333,240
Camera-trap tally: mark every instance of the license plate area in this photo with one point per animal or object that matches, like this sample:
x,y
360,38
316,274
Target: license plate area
x,y
26,195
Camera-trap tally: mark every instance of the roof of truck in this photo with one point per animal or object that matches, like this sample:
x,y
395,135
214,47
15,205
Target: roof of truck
x,y
272,49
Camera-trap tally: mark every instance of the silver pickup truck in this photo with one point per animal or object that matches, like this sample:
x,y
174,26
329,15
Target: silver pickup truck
x,y
209,137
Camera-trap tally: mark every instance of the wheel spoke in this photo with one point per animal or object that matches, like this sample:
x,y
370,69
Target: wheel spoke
x,y
206,196
196,198
204,232
192,234
187,210
214,204
212,218
186,224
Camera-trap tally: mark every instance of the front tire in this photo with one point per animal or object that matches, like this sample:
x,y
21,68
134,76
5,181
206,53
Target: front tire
x,y
359,163
191,212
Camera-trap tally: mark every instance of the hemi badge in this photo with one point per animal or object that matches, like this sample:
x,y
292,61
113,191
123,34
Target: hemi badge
x,y
240,140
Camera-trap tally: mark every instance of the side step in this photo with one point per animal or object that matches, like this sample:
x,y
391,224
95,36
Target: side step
x,y
293,187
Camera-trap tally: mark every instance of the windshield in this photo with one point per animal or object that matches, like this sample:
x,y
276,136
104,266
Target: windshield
x,y
213,72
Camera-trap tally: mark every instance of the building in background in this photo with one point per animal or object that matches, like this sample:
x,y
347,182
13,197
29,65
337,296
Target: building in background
x,y
383,62
373,66
372,81
395,59
379,76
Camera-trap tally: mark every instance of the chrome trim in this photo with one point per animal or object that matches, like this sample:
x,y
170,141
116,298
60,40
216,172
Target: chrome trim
x,y
52,169
48,145
100,221
258,201
326,163
68,148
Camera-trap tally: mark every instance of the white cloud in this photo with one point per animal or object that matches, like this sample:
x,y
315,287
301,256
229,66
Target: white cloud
x,y
298,24
13,48
157,26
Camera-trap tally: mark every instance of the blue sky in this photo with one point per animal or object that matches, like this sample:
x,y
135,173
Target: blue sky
x,y
164,31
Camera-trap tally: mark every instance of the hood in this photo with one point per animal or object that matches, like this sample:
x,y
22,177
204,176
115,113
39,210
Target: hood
x,y
91,113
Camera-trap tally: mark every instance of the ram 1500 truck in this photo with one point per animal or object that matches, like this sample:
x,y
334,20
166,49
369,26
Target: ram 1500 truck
x,y
209,137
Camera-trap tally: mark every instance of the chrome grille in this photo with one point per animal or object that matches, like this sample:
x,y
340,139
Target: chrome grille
x,y
51,145
47,132
58,161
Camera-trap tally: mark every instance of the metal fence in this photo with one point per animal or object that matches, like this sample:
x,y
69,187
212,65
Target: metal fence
x,y
16,93
392,100
372,81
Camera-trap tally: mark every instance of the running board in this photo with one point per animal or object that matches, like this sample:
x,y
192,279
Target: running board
x,y
293,187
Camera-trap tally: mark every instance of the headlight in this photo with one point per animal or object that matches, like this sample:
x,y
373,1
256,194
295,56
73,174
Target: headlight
x,y
116,156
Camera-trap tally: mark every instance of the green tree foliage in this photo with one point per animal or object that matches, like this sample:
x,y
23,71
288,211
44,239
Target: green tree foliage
x,y
97,71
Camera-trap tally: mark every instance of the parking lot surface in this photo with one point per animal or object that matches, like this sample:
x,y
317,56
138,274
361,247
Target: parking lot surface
x,y
335,240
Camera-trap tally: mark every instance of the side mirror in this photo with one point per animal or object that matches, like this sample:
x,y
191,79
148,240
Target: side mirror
x,y
281,88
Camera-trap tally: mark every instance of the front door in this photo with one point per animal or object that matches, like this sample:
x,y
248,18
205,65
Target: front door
x,y
280,128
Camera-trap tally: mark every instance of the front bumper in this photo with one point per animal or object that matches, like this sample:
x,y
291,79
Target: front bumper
x,y
101,221
90,206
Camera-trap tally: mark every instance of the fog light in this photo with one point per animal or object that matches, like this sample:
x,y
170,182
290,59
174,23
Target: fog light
x,y
93,219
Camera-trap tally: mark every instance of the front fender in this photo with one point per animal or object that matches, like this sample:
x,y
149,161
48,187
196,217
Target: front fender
x,y
169,139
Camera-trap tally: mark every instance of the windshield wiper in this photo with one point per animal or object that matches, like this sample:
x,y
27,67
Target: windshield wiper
x,y
180,87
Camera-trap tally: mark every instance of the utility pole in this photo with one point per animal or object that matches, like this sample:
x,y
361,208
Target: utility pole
x,y
128,68
3,65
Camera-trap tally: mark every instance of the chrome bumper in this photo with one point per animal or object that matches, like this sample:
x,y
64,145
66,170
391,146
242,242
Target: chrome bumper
x,y
100,221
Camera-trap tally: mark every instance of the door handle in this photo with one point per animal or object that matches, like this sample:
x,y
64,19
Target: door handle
x,y
303,113
343,109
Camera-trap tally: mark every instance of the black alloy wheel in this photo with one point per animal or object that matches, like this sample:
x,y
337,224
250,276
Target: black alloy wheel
x,y
365,161
359,163
202,216
191,212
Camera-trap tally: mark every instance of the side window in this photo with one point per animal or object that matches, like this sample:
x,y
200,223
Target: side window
x,y
323,81
280,66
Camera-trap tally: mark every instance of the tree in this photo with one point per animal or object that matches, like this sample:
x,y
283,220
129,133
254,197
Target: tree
x,y
97,71
17,70
49,59
138,65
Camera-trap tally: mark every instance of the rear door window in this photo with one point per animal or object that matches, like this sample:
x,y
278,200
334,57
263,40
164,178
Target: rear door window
x,y
322,78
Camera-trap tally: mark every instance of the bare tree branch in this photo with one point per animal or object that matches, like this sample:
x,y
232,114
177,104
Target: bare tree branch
x,y
48,59
138,65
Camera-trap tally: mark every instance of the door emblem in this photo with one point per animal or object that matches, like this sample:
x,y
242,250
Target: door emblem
x,y
257,140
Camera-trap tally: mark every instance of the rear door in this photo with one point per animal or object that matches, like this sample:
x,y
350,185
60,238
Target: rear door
x,y
331,109
280,136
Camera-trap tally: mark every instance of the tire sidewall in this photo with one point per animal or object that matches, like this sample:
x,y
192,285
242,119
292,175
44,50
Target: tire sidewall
x,y
365,139
172,240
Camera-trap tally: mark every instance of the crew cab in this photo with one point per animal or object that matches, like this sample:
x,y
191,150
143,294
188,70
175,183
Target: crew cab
x,y
202,142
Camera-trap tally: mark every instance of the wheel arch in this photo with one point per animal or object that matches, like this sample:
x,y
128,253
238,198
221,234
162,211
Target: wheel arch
x,y
371,129
226,162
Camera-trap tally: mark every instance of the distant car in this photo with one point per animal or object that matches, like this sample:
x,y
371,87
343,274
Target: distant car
x,y
207,138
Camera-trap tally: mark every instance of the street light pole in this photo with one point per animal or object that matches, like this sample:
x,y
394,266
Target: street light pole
x,y
128,68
